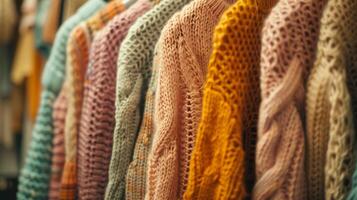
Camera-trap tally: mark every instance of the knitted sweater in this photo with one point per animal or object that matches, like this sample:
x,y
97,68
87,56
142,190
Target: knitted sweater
x,y
290,35
98,120
58,152
329,116
135,61
34,178
78,56
230,106
186,47
137,171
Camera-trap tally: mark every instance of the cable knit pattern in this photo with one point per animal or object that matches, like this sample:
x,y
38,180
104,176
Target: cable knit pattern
x,y
329,116
97,123
58,152
35,176
78,56
290,35
135,61
230,106
186,47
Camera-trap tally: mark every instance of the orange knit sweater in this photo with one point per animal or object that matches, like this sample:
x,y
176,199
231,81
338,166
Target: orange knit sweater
x,y
230,106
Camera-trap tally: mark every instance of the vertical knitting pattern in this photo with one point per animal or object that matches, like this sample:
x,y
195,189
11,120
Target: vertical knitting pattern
x,y
230,107
35,175
186,48
135,62
78,56
98,116
290,35
137,171
330,131
58,152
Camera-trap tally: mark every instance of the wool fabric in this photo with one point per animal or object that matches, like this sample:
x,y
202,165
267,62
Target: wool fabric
x,y
8,19
35,175
137,171
98,116
78,57
289,41
330,133
222,157
58,152
186,48
135,61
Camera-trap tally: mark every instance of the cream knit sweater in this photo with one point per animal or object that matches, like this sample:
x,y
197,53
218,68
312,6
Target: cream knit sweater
x,y
330,132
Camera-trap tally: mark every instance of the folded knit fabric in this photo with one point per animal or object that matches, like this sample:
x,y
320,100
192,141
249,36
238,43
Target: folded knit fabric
x,y
222,159
289,41
135,61
186,48
34,178
98,116
58,152
78,47
330,133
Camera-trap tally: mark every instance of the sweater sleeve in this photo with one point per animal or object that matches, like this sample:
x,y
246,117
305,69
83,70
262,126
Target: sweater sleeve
x,y
163,158
35,176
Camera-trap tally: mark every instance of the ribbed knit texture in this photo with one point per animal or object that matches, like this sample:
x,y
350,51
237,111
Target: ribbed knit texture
x,y
230,107
78,57
98,121
289,43
34,178
330,132
135,63
137,171
58,152
186,48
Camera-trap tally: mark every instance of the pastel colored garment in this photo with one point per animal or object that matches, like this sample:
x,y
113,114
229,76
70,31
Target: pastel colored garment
x,y
35,175
222,164
133,75
330,131
186,47
289,43
98,115
78,49
58,152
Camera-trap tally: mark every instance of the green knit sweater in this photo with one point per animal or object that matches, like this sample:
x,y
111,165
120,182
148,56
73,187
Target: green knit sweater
x,y
34,178
134,71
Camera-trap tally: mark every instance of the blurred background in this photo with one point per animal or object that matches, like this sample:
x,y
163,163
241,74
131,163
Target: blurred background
x,y
27,31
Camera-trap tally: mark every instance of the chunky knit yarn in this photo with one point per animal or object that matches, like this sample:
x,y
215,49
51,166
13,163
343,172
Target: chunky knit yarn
x,y
34,178
290,35
230,106
186,47
135,62
58,152
329,116
78,56
98,120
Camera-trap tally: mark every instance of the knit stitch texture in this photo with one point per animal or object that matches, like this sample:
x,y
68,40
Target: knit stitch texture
x,y
230,106
289,41
58,152
186,48
330,132
135,63
35,176
98,116
78,57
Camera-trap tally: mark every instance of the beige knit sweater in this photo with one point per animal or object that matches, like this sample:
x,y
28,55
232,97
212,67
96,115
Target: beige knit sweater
x,y
330,130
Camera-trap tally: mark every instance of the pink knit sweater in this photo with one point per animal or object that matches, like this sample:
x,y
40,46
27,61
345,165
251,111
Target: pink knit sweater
x,y
98,121
186,47
289,42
